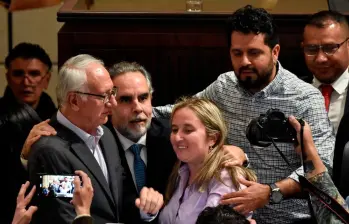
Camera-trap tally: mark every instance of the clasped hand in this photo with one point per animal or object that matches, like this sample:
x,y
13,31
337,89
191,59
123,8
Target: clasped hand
x,y
149,201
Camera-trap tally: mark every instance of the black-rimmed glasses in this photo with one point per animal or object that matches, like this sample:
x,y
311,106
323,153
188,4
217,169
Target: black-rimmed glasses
x,y
328,49
105,97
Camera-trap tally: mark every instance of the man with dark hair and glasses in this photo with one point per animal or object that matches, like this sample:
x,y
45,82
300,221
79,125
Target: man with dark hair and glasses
x,y
28,75
326,52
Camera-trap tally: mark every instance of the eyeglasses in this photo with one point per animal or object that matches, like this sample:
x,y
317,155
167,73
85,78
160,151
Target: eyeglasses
x,y
328,49
105,97
34,76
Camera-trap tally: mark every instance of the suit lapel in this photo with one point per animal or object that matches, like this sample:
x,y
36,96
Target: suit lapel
x,y
83,153
122,156
86,157
346,106
110,156
153,151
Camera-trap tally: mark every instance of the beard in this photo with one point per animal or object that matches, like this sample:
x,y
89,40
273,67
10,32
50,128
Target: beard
x,y
136,133
261,79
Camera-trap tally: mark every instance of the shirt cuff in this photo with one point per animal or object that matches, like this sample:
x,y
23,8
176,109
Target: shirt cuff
x,y
147,217
82,215
24,162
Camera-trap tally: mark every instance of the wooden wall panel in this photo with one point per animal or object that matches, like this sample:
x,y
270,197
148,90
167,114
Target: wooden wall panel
x,y
184,55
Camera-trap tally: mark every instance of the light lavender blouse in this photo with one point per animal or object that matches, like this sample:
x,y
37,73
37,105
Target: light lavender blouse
x,y
187,202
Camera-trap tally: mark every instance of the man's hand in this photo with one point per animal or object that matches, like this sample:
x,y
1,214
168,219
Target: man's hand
x,y
249,199
310,151
309,145
41,129
233,156
22,215
83,195
149,201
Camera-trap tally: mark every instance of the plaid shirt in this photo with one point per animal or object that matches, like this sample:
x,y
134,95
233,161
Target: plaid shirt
x,y
292,96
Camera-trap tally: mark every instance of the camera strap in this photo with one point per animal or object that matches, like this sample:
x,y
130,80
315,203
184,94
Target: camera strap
x,y
329,202
311,209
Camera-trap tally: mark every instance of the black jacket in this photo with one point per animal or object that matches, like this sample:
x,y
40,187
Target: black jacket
x,y
45,109
160,161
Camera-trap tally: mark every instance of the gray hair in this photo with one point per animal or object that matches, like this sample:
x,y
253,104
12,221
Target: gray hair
x,y
125,67
72,76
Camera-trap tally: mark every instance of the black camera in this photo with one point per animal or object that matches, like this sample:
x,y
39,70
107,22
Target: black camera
x,y
269,127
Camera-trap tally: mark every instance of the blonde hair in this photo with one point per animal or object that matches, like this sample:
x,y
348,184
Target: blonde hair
x,y
211,117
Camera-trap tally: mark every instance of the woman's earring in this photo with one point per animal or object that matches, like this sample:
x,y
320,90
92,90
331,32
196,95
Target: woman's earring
x,y
210,148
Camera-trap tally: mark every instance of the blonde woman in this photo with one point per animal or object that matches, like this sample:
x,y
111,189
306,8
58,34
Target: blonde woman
x,y
198,179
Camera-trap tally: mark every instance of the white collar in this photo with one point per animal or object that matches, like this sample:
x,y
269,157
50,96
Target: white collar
x,y
90,140
127,143
340,85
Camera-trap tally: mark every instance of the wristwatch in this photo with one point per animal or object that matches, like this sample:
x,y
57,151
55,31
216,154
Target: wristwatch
x,y
275,194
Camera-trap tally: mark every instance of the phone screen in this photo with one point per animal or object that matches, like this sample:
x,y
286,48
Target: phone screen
x,y
56,186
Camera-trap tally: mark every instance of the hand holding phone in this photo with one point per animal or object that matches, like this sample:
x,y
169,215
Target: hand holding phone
x,y
56,186
83,194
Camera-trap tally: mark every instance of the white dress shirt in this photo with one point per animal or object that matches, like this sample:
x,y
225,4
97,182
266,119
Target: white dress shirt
x,y
338,98
90,141
126,144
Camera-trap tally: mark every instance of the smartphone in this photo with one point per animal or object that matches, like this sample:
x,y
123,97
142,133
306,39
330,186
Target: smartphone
x,y
56,186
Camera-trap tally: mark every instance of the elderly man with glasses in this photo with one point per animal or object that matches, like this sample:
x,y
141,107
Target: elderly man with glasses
x,y
28,75
85,94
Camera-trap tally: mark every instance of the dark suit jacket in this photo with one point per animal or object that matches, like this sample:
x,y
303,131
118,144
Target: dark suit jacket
x,y
65,153
161,159
45,109
342,137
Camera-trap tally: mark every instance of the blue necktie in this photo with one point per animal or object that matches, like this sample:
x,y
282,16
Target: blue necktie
x,y
138,166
